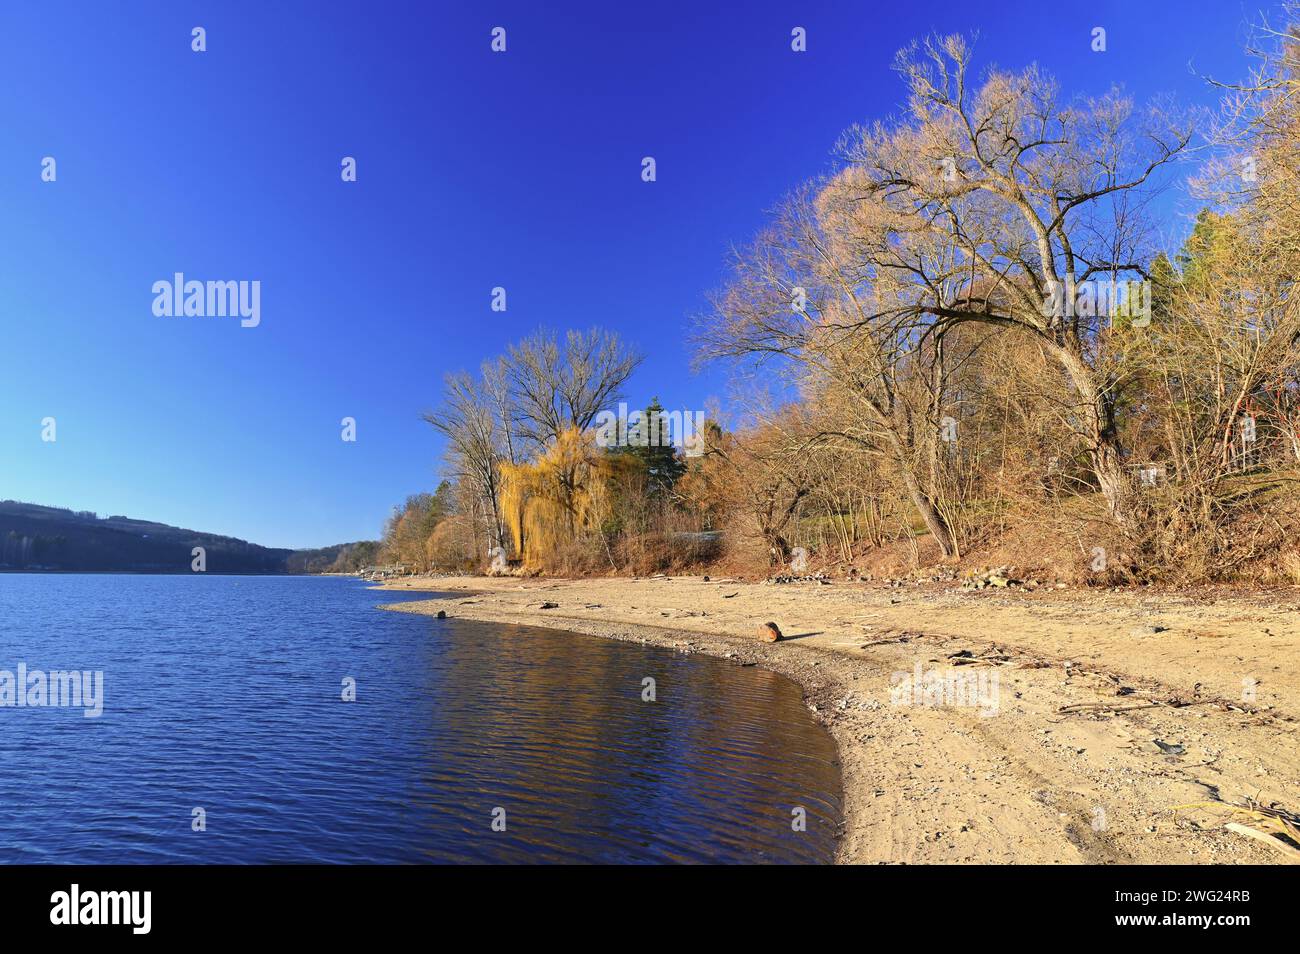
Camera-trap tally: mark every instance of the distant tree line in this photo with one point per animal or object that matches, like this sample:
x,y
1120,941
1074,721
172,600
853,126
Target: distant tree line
x,y
340,558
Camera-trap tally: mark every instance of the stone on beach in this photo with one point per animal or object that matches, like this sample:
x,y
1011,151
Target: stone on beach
x,y
769,633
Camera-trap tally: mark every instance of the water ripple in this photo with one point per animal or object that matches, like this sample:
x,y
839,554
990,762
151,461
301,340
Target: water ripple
x,y
224,693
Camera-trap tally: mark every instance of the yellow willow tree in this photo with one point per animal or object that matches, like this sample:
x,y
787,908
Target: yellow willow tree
x,y
555,505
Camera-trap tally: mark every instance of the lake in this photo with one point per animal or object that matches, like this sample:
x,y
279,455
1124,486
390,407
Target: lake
x,y
225,694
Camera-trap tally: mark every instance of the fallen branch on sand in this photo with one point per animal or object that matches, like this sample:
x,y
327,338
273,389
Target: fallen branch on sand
x,y
1092,706
1271,840
1279,828
881,642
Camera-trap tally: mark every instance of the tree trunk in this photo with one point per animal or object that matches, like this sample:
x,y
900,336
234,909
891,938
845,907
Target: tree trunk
x,y
1109,471
934,521
1104,452
921,500
778,547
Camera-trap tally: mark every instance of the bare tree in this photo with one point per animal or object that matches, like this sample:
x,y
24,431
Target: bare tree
x,y
477,442
553,389
799,299
520,404
760,478
995,205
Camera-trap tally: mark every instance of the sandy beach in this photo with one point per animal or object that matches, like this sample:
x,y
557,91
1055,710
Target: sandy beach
x,y
1089,727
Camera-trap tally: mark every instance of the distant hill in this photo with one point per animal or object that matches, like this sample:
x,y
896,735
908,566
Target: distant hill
x,y
340,558
36,538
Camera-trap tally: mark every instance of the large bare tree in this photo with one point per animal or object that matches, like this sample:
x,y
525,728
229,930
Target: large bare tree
x,y
554,387
478,440
996,203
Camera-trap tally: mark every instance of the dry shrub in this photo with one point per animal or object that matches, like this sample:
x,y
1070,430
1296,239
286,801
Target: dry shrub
x,y
668,552
1288,567
451,545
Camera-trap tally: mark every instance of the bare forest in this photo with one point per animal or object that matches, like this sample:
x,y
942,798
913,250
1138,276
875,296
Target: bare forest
x,y
965,347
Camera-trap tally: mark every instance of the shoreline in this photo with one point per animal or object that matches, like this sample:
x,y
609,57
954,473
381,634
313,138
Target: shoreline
x,y
1065,768
666,638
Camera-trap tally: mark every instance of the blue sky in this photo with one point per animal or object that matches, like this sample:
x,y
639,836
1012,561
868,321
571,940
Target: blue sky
x,y
475,170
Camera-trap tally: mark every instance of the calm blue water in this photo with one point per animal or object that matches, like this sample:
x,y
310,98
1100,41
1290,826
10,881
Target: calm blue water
x,y
224,693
